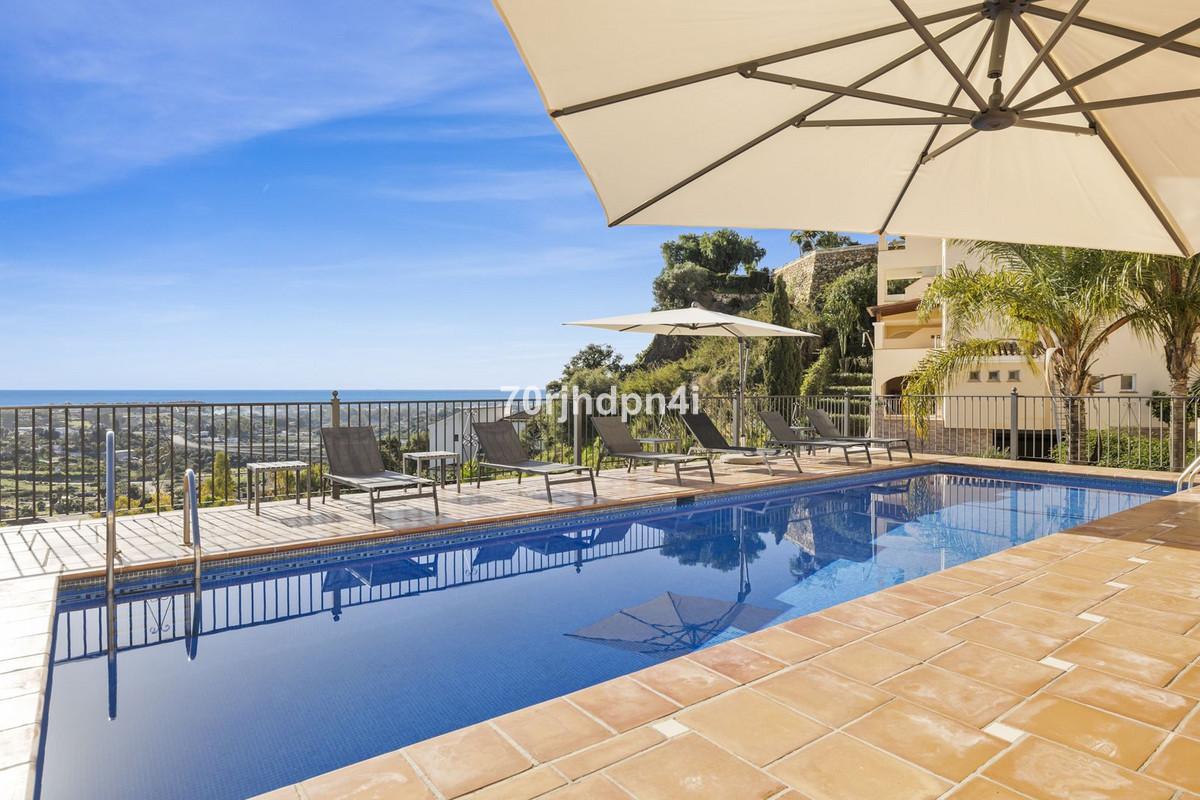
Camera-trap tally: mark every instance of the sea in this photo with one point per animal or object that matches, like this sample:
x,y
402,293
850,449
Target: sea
x,y
44,397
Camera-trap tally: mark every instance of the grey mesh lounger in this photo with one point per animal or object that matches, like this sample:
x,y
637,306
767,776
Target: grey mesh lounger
x,y
354,461
711,440
502,450
782,433
618,441
825,427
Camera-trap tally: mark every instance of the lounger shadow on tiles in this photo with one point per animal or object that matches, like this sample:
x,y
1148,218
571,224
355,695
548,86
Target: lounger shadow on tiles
x,y
619,442
354,461
502,450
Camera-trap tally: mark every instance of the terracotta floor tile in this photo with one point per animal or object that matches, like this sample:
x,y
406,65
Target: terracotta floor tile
x,y
1178,763
1045,598
928,595
1191,727
1010,638
1167,646
1039,620
778,643
1049,771
914,640
866,662
1090,730
971,573
892,604
823,695
937,743
983,789
386,776
752,726
1188,682
1001,570
734,661
684,681
1167,621
467,759
596,787
825,631
534,783
1117,660
690,766
552,729
1149,704
952,694
1163,601
622,703
860,616
609,752
838,767
943,619
978,604
1084,572
947,584
1003,670
1163,583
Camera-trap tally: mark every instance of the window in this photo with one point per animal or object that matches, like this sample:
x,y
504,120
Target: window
x,y
1014,375
993,376
1129,383
898,285
973,376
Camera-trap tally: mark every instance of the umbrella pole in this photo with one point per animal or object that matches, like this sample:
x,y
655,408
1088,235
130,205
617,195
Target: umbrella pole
x,y
740,399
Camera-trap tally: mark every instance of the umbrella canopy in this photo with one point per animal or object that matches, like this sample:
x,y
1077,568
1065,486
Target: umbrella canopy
x,y
1042,121
694,321
673,623
697,321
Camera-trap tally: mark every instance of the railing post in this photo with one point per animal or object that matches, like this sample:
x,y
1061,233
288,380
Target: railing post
x,y
1014,441
110,512
577,424
335,406
846,412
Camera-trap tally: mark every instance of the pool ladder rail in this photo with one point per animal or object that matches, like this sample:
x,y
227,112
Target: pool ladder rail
x,y
1187,478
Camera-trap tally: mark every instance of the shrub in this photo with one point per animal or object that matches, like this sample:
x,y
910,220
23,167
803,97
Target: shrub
x,y
1124,451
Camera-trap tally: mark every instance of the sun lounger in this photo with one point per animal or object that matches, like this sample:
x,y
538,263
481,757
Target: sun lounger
x,y
354,461
825,427
784,434
502,450
710,440
618,441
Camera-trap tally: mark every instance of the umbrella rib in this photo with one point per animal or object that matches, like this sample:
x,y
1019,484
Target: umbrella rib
x,y
1111,64
786,55
881,121
862,94
790,121
1161,213
912,173
942,56
1119,102
950,145
1078,130
1113,30
1063,25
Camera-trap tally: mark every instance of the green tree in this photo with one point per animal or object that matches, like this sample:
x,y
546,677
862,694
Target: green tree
x,y
697,264
845,303
594,356
1059,301
784,365
221,485
808,241
1163,303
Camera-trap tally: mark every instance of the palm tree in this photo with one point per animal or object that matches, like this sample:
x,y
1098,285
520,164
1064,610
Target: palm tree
x,y
1164,306
1062,303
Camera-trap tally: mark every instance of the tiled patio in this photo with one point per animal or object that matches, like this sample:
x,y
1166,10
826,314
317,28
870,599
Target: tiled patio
x,y
1062,669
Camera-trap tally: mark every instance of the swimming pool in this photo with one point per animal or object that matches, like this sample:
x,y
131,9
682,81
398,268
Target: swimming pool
x,y
305,664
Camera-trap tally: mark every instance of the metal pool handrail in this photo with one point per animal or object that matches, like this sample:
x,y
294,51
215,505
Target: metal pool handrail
x,y
191,518
1188,476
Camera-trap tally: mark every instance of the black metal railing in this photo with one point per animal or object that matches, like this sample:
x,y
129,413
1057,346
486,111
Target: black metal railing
x,y
51,457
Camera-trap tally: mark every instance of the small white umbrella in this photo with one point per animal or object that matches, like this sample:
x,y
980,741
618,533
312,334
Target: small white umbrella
x,y
698,321
1065,122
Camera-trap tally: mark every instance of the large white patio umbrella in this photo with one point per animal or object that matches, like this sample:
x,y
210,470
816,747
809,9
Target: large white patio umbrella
x,y
1042,121
697,321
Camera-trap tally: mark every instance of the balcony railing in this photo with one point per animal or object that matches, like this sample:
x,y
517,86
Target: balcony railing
x,y
51,457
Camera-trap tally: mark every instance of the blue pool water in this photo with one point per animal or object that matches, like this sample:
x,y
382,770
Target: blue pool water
x,y
324,659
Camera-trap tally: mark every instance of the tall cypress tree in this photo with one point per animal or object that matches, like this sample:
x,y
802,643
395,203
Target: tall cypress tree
x,y
784,361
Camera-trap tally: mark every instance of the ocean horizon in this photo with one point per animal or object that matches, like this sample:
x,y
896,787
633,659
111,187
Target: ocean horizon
x,y
44,397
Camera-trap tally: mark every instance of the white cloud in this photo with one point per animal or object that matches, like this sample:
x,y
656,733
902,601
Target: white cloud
x,y
98,89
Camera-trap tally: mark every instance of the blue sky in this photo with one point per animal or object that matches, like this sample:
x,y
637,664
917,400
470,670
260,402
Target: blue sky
x,y
222,194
